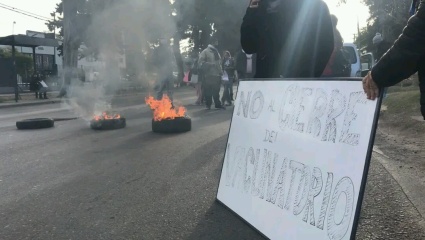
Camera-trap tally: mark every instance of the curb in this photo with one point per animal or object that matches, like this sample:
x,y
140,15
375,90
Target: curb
x,y
13,105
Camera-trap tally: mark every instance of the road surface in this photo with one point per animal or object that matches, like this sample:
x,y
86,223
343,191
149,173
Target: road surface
x,y
70,182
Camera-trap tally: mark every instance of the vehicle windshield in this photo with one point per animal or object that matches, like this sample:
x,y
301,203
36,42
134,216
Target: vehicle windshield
x,y
351,54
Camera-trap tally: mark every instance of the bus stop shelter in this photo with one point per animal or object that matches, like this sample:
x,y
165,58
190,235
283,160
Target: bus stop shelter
x,y
25,41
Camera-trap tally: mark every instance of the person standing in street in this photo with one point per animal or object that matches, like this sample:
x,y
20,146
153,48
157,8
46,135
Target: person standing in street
x,y
210,66
405,57
228,76
292,38
35,84
163,60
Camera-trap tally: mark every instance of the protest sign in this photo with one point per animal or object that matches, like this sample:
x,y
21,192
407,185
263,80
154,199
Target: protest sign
x,y
297,157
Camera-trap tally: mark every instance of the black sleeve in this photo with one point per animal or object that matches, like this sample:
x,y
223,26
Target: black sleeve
x,y
249,31
401,61
326,39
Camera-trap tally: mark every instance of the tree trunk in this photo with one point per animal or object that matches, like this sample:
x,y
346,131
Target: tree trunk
x,y
179,58
70,44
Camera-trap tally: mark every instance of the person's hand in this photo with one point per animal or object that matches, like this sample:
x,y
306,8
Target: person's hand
x,y
370,87
254,3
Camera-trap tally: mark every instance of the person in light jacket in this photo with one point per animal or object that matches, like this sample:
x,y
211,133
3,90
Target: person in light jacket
x,y
210,66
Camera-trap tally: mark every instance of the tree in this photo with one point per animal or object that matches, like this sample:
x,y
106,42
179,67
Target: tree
x,y
387,17
24,63
203,19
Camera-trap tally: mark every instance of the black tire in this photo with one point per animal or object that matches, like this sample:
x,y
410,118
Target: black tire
x,y
177,125
36,123
108,124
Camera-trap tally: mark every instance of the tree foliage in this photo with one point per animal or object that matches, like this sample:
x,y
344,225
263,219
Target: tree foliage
x,y
24,62
387,17
144,22
202,19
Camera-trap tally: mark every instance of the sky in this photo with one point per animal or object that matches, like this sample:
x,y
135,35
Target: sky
x,y
346,13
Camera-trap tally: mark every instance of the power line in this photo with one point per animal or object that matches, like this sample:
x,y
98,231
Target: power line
x,y
20,10
25,13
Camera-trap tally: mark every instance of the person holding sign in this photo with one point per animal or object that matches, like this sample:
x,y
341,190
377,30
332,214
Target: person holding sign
x,y
292,38
405,57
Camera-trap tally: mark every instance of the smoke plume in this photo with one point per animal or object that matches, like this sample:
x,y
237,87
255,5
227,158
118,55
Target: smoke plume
x,y
123,28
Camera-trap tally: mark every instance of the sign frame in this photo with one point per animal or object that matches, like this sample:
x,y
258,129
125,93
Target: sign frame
x,y
368,153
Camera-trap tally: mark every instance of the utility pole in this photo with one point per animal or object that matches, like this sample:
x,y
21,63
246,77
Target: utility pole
x,y
55,67
13,28
70,54
358,26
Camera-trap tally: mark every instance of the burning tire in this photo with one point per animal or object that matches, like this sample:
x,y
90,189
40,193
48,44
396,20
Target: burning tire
x,y
36,123
176,125
108,124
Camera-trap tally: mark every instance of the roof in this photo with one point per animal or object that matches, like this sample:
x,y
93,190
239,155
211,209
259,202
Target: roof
x,y
26,41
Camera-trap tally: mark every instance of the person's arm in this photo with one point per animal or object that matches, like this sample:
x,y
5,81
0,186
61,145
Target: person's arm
x,y
249,30
400,62
202,58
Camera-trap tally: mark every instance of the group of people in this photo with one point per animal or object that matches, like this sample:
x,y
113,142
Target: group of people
x,y
299,39
38,86
213,70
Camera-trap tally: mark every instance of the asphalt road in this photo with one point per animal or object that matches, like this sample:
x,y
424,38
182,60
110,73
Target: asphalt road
x,y
71,182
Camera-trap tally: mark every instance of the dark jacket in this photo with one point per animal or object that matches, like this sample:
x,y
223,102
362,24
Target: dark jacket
x,y
294,42
405,57
35,83
228,65
241,63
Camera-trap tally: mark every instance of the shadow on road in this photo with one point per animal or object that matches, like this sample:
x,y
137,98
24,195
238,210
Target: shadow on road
x,y
221,223
201,156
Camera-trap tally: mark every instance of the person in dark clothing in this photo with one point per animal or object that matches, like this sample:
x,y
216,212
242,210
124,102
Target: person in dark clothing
x,y
82,74
35,85
163,60
405,57
245,65
381,46
292,38
338,64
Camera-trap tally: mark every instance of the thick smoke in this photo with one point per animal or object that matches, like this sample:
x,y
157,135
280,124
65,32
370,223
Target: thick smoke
x,y
125,27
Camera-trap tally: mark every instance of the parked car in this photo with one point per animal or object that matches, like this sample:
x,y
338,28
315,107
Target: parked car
x,y
354,57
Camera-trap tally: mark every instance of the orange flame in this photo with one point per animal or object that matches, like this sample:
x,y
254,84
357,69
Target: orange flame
x,y
106,116
163,109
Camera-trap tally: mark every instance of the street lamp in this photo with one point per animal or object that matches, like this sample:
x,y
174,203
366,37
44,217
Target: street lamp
x,y
13,27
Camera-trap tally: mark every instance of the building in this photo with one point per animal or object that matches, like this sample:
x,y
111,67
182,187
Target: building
x,y
48,61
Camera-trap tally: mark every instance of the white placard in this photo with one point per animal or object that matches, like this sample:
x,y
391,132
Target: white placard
x,y
296,157
43,84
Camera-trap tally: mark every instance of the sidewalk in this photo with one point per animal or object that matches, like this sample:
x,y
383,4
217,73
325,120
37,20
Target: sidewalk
x,y
27,99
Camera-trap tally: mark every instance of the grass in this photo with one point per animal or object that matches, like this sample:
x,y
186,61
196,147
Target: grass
x,y
401,106
407,85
